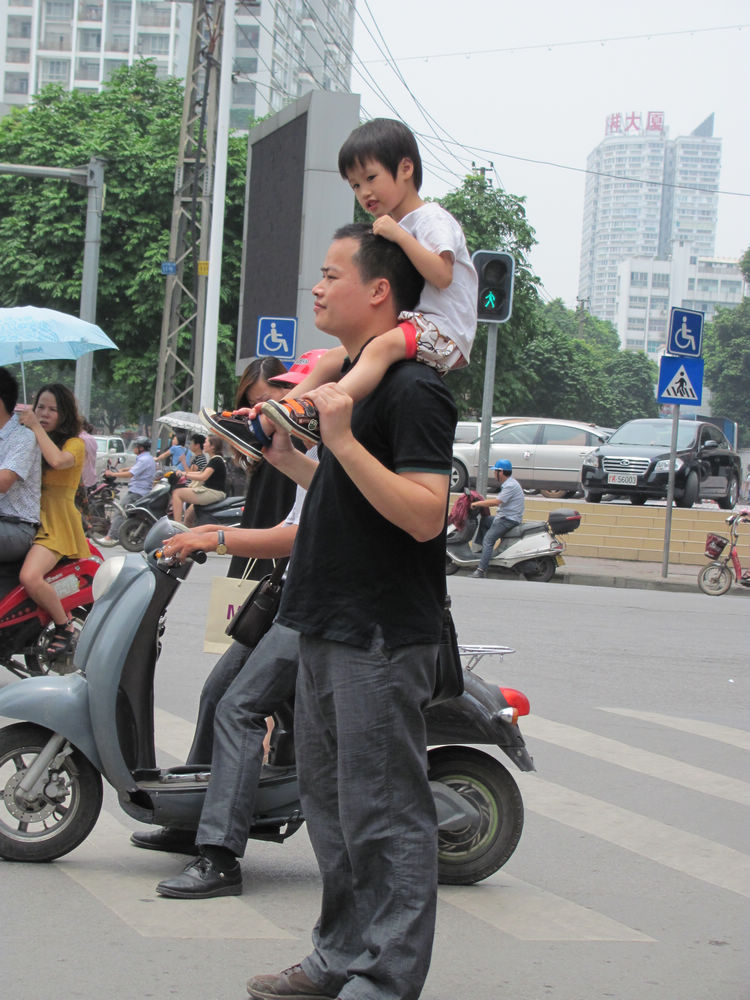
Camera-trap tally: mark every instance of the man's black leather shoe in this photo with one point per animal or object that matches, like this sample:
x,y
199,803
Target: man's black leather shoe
x,y
165,838
202,879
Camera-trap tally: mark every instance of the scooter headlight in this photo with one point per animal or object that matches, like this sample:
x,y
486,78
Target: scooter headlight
x,y
106,575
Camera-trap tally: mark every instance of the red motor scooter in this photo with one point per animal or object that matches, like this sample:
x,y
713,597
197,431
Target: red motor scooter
x,y
26,630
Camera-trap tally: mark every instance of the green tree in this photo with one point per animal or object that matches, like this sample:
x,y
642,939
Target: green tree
x,y
134,124
493,219
727,359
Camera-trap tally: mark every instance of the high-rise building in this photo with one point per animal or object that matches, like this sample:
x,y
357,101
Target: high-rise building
x,y
284,48
645,193
649,287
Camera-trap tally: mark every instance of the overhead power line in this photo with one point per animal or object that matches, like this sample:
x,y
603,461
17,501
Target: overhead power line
x,y
548,46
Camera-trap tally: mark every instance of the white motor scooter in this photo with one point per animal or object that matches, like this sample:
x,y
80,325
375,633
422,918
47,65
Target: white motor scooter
x,y
531,550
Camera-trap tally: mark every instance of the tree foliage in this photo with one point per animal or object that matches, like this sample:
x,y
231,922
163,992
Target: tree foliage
x,y
727,361
493,219
134,125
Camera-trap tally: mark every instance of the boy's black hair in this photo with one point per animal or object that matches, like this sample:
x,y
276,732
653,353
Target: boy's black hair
x,y
8,390
383,139
381,258
198,439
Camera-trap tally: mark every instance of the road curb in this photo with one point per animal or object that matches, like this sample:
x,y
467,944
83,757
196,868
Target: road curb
x,y
628,583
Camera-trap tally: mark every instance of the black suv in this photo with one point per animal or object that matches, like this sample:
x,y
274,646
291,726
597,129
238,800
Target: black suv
x,y
635,463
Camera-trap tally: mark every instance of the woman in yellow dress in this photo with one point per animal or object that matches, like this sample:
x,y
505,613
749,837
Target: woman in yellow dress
x,y
55,421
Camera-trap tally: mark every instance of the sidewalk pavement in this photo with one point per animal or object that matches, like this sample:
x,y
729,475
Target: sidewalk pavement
x,y
627,573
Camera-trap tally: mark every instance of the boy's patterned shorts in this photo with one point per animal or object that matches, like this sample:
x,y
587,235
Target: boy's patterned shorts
x,y
428,344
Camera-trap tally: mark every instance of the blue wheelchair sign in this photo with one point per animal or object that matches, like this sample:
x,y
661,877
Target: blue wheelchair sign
x,y
277,337
685,333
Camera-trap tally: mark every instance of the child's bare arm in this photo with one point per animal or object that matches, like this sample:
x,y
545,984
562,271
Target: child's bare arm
x,y
327,369
435,268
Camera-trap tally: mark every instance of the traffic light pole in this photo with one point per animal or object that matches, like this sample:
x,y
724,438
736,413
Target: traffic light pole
x,y
487,403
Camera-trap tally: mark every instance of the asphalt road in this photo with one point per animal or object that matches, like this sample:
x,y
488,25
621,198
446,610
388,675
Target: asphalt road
x,y
631,880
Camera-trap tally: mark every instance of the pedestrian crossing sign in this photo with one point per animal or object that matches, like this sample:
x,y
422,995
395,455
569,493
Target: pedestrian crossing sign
x,y
680,381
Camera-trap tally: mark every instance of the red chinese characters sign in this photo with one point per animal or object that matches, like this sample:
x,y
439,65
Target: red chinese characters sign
x,y
631,123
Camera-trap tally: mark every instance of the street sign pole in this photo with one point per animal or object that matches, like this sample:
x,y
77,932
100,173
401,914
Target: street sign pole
x,y
670,491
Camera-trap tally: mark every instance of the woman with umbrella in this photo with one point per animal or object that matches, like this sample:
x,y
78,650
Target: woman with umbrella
x,y
56,424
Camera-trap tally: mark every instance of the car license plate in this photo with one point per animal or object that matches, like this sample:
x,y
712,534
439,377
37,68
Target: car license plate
x,y
622,479
559,560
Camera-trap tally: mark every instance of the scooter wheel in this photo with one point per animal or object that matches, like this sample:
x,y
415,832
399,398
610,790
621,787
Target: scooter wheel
x,y
64,812
539,570
715,579
474,853
133,533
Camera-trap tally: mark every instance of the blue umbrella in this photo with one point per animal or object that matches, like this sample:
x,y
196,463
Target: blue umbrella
x,y
31,334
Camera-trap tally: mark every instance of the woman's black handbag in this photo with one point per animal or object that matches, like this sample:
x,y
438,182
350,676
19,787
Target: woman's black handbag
x,y
449,673
255,615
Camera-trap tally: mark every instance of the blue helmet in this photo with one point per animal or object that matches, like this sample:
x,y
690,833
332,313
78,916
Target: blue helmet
x,y
504,465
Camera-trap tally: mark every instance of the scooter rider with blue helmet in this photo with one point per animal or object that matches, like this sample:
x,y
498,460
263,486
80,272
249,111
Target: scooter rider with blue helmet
x,y
511,502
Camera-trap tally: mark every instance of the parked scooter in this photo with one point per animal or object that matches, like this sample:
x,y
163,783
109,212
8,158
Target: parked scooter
x,y
26,630
100,507
100,723
716,578
531,550
142,515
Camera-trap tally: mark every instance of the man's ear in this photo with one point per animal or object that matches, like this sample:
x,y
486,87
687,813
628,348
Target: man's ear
x,y
380,289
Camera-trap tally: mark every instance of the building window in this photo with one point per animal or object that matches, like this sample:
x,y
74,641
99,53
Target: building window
x,y
16,83
659,280
248,37
639,279
17,55
19,27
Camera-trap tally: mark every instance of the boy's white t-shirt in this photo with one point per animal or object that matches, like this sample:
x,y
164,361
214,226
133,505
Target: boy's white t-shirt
x,y
453,310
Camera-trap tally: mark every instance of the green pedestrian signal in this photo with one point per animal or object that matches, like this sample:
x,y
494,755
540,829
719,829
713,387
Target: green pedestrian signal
x,y
495,270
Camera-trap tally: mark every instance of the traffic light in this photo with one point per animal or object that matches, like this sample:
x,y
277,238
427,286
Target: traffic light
x,y
495,271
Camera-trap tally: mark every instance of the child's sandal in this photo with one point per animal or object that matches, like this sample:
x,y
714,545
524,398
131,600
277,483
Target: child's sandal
x,y
61,642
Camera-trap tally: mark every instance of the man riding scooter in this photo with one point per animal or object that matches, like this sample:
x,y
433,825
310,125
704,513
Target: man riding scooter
x,y
511,502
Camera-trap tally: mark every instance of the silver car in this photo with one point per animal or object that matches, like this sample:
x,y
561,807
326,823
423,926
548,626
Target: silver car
x,y
546,454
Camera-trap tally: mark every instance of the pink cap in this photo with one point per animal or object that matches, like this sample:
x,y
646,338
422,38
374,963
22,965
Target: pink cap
x,y
301,367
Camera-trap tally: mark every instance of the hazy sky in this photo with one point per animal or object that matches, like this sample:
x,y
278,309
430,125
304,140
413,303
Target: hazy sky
x,y
483,81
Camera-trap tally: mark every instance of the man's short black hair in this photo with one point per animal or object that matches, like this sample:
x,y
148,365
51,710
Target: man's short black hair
x,y
378,257
198,439
383,139
8,390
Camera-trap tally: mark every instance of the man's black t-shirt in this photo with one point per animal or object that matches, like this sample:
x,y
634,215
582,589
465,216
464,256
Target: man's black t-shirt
x,y
353,569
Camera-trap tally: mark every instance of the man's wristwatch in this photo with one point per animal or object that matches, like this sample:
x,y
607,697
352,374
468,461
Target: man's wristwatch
x,y
221,548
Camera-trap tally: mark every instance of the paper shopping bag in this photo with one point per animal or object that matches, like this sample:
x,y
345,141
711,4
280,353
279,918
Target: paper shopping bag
x,y
227,594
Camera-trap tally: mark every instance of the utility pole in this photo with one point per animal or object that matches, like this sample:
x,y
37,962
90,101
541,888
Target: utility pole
x,y
92,178
181,348
581,305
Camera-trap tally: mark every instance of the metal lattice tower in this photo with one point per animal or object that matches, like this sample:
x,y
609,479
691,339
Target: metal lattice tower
x,y
181,347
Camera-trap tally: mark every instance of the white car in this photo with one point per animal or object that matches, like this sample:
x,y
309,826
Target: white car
x,y
110,448
546,454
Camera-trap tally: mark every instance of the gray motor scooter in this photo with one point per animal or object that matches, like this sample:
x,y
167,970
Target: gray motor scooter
x,y
99,723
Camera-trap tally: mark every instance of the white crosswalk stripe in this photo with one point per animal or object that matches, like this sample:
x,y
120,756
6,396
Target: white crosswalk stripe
x,y
695,727
634,759
504,902
129,891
